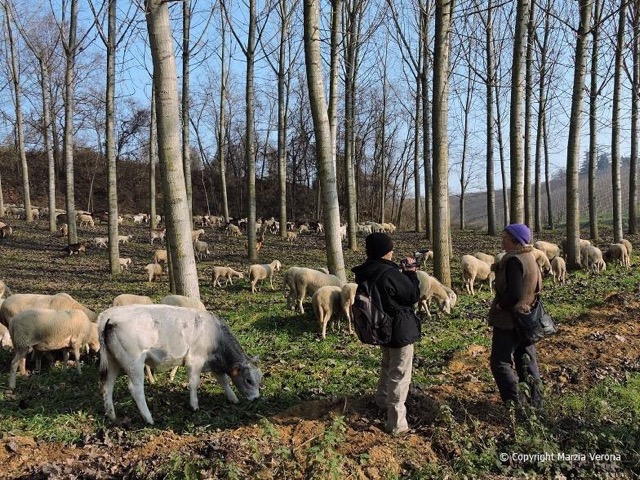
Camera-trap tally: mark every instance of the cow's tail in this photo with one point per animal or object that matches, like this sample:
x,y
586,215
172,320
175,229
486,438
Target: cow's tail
x,y
105,335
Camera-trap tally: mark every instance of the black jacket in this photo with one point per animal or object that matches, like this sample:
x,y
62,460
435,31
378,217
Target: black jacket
x,y
399,292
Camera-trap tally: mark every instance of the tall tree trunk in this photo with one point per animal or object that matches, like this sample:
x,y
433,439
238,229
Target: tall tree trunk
x,y
46,126
547,169
250,156
1,199
491,78
334,72
322,129
222,128
186,58
352,47
14,72
416,152
176,209
503,170
282,116
153,142
593,123
616,182
635,91
515,118
464,175
114,251
69,79
425,17
441,260
573,146
528,115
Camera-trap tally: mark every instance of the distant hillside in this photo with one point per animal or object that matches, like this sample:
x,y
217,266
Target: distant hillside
x,y
476,203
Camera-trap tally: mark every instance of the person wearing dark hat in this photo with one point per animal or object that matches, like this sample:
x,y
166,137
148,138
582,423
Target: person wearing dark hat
x,y
399,290
517,283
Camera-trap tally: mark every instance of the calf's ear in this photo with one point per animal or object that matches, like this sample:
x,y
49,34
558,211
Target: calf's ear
x,y
236,370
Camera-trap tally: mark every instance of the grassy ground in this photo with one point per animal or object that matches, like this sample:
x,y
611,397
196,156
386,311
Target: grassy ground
x,y
313,419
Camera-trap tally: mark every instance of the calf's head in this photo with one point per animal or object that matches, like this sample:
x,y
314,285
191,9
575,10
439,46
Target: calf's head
x,y
247,378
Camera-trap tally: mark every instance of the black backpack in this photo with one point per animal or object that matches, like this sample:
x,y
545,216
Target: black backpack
x,y
373,325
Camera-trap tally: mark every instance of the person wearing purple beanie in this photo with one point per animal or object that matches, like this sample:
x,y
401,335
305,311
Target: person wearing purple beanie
x,y
513,360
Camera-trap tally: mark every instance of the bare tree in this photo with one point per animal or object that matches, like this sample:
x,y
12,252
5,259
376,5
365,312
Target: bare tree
x,y
441,248
14,71
322,131
222,120
573,147
153,142
616,182
528,107
178,221
515,118
635,92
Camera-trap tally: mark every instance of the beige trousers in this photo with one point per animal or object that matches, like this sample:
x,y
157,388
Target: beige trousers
x,y
393,386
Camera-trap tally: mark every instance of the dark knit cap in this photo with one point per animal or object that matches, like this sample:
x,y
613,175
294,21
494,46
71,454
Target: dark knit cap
x,y
378,244
520,232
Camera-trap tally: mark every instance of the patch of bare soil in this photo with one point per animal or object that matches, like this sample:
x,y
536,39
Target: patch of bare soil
x,y
602,343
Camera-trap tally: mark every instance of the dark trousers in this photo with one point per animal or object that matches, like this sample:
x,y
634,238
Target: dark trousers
x,y
508,350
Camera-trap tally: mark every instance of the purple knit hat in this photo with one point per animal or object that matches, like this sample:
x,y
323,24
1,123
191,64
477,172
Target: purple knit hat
x,y
520,233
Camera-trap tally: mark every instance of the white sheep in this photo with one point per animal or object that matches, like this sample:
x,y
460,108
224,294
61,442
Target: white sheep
x,y
260,272
431,288
551,250
347,298
86,220
124,238
196,234
28,301
302,281
591,259
201,249
486,258
233,230
182,301
131,299
326,301
227,273
291,236
6,231
44,329
157,233
629,246
474,268
542,260
160,256
154,271
101,242
617,252
559,269
125,263
423,256
581,244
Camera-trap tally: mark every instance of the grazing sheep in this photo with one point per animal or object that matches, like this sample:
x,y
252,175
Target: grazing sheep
x,y
305,281
86,220
182,301
157,233
559,269
6,231
542,260
347,298
591,259
486,258
28,301
125,263
227,273
551,250
260,272
431,288
581,244
101,242
5,291
325,302
45,330
196,234
388,227
453,297
124,238
629,246
76,248
201,249
130,299
160,256
154,271
233,230
474,268
617,252
63,230
291,236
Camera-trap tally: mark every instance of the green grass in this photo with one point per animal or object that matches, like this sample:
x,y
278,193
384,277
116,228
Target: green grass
x,y
57,405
